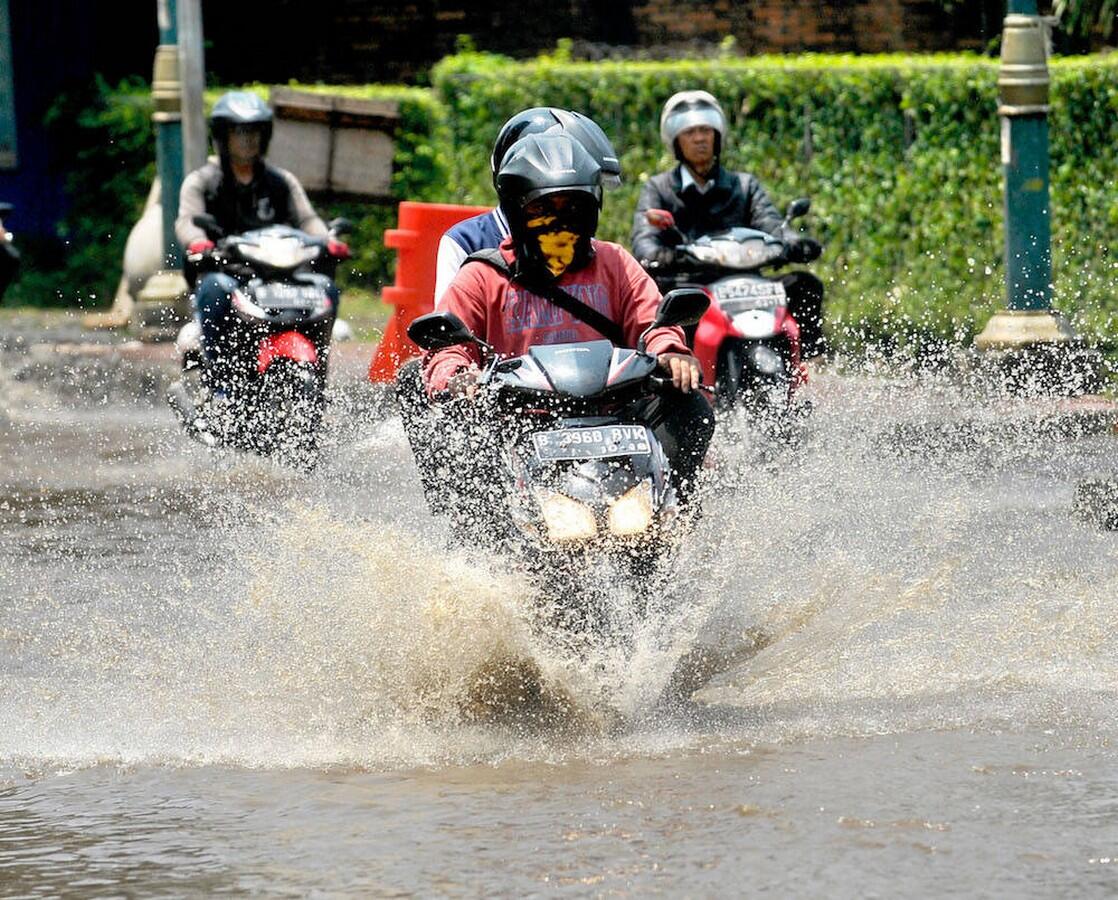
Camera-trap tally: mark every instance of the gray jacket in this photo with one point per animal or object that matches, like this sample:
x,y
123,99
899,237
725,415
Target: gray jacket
x,y
734,199
273,197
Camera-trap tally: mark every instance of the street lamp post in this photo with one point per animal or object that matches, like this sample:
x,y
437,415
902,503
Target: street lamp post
x,y
163,303
1028,321
166,92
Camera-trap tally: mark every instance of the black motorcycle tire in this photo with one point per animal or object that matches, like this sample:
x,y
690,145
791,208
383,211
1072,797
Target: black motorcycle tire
x,y
290,414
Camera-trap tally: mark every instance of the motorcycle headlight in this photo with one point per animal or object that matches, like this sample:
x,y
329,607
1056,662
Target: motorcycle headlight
x,y
281,253
631,513
567,519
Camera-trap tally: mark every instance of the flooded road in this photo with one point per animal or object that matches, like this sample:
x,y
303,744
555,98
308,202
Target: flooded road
x,y
888,665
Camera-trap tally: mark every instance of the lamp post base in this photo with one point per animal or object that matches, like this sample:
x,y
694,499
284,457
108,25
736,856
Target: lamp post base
x,y
1036,352
1015,329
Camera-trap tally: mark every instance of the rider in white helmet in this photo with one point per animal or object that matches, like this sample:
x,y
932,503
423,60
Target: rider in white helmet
x,y
705,198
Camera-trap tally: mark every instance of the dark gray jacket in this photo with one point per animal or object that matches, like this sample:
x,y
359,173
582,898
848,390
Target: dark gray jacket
x,y
735,199
273,197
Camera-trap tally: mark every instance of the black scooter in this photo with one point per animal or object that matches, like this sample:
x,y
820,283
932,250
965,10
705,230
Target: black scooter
x,y
577,476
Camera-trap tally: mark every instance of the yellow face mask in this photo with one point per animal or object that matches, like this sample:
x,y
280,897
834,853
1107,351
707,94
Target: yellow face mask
x,y
558,249
556,242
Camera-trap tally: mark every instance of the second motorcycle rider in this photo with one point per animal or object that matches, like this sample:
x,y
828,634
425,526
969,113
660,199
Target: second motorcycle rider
x,y
242,192
704,198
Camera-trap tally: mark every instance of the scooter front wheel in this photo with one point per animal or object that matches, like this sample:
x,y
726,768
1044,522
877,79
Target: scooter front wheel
x,y
291,408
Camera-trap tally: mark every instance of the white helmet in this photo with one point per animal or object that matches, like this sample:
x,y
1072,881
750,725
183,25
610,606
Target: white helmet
x,y
687,109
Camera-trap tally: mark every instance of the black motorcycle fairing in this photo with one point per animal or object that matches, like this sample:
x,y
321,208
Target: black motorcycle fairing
x,y
574,370
578,370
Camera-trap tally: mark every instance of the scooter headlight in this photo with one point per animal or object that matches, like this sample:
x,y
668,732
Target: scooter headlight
x,y
282,253
567,519
631,513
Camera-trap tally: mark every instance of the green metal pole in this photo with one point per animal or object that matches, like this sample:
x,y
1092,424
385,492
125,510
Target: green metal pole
x,y
166,89
1023,92
164,302
1028,319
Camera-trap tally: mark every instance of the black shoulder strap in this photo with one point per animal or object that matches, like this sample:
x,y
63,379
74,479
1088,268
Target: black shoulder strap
x,y
604,325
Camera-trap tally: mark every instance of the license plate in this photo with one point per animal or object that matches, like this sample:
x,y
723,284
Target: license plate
x,y
746,293
288,296
592,443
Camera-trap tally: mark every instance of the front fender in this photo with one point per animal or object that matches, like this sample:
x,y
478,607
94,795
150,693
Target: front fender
x,y
286,345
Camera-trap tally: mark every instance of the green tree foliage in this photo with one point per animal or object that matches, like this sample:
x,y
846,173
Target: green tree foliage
x,y
1081,17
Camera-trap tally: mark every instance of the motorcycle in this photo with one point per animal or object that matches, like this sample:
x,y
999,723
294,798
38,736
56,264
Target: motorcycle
x,y
748,342
270,395
579,478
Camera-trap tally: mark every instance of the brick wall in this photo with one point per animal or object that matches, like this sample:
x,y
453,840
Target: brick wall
x,y
794,26
383,40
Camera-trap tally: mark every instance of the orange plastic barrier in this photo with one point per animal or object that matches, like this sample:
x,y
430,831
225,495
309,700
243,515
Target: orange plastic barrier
x,y
416,241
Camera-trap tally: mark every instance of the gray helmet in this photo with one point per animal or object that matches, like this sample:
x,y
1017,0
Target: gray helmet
x,y
588,133
543,164
552,120
687,109
240,108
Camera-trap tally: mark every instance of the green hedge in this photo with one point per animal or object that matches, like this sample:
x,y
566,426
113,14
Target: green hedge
x,y
107,150
899,154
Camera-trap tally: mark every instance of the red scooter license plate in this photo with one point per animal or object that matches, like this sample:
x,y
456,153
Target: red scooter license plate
x,y
592,443
288,296
749,293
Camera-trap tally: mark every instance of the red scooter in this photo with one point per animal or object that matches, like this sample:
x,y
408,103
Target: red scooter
x,y
271,393
748,342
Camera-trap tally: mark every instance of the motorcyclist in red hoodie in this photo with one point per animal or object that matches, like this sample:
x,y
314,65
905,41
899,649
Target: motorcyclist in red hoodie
x,y
550,188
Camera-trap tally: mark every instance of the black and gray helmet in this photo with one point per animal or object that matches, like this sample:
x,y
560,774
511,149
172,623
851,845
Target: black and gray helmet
x,y
687,109
543,164
552,120
240,108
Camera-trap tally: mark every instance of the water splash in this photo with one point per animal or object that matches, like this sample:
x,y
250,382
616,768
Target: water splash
x,y
885,576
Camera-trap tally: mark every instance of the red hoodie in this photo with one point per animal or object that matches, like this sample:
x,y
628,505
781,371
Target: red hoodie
x,y
513,319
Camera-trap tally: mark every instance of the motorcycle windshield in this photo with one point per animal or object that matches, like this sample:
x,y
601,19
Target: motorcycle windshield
x,y
739,248
578,370
278,247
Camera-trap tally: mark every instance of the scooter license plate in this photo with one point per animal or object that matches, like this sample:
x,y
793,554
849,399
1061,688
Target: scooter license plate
x,y
748,293
592,443
288,296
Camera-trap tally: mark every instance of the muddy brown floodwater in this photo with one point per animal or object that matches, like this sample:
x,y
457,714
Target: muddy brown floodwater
x,y
887,666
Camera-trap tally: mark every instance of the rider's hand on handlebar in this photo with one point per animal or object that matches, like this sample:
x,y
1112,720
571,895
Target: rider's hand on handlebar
x,y
664,257
659,218
799,248
464,383
683,368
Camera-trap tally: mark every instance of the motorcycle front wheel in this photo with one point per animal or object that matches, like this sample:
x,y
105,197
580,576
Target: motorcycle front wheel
x,y
290,411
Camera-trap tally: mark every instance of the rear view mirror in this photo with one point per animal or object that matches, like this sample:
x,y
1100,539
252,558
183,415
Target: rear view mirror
x,y
683,306
437,330
797,208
